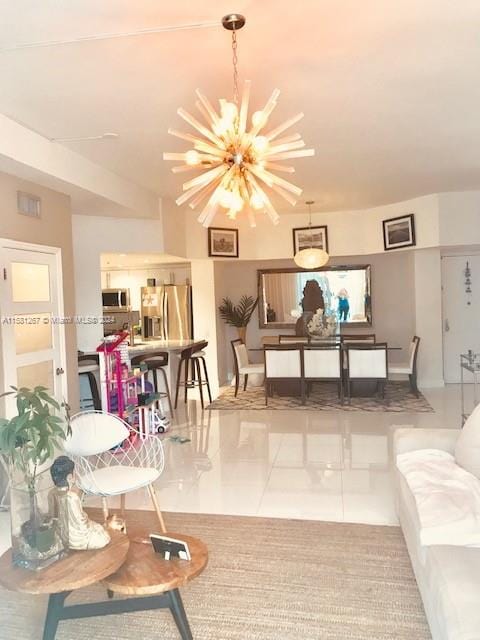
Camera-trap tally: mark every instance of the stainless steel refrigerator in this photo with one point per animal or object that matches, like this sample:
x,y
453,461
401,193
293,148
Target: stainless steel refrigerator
x,y
167,312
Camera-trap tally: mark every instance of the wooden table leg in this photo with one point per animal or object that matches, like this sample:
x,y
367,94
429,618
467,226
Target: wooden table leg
x,y
179,615
54,614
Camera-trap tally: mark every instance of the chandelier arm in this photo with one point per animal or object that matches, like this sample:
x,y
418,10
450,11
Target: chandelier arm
x,y
200,127
290,138
289,146
204,192
184,136
273,215
200,106
271,178
208,148
191,192
302,153
251,218
284,126
279,167
206,177
242,120
206,103
267,110
285,194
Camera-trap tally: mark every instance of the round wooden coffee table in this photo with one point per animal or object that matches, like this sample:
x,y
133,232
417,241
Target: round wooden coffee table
x,y
146,573
124,566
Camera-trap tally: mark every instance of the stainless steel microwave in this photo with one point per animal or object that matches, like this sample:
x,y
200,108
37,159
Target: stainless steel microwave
x,y
116,299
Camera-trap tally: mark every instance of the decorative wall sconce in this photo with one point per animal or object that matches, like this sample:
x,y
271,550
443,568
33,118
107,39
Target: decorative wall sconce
x,y
468,282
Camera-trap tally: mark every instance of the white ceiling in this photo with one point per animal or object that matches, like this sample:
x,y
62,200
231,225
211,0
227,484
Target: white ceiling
x,y
390,89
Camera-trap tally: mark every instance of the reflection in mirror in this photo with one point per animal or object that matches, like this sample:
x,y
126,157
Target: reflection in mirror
x,y
345,289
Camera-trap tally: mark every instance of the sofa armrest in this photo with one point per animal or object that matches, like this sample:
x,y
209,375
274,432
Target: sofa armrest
x,y
408,439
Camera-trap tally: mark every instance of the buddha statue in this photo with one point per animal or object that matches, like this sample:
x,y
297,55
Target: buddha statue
x,y
81,532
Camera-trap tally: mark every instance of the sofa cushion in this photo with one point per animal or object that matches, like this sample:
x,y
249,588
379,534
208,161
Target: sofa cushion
x,y
467,449
447,497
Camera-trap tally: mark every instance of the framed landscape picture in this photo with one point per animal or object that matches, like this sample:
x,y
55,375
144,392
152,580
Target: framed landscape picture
x,y
222,243
306,237
399,232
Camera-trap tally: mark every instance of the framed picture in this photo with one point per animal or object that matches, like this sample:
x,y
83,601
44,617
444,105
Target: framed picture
x,y
399,232
222,243
306,237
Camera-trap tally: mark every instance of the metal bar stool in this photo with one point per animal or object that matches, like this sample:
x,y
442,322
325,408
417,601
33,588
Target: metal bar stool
x,y
156,361
88,364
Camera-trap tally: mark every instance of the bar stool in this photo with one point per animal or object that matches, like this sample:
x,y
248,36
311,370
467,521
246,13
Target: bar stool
x,y
88,365
192,356
199,356
156,361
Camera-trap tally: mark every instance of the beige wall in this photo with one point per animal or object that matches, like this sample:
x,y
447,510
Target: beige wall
x,y
393,301
54,229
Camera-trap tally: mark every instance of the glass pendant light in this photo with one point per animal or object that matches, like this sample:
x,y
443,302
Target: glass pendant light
x,y
311,258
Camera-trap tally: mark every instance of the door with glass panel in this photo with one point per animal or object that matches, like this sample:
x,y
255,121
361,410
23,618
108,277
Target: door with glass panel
x,y
33,340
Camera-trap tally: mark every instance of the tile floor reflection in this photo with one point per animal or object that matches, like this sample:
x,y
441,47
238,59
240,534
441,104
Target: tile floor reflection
x,y
321,466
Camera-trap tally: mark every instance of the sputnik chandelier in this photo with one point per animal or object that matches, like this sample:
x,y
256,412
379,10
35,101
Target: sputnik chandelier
x,y
237,163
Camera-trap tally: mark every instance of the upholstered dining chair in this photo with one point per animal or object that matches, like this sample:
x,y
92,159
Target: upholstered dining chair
x,y
288,339
351,338
108,462
322,364
242,365
410,368
367,362
283,363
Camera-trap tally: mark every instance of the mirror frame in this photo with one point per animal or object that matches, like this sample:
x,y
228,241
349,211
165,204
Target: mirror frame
x,y
291,325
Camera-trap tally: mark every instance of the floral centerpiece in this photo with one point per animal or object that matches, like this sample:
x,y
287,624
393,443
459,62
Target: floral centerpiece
x,y
322,325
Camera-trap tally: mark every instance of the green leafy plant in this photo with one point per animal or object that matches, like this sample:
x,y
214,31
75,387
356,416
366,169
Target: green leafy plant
x,y
239,315
29,439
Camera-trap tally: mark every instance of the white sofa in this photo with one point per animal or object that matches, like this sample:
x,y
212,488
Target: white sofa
x,y
448,576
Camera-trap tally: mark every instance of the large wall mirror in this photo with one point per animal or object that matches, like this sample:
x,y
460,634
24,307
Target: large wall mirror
x,y
346,292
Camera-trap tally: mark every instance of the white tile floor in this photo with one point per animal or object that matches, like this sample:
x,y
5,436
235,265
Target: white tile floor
x,y
288,464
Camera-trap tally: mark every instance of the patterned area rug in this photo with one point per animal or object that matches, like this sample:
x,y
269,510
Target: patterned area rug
x,y
324,397
266,580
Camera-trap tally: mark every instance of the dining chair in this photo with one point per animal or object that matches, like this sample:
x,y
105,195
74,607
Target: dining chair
x,y
289,339
410,368
367,363
108,462
283,363
351,338
322,364
241,364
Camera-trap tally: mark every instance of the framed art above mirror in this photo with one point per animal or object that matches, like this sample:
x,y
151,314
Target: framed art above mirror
x,y
345,289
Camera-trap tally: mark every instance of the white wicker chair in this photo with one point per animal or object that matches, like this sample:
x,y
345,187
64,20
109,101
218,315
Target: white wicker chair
x,y
104,467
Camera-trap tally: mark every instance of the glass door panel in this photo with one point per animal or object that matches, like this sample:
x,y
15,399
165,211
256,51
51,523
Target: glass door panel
x,y
33,332
30,282
37,374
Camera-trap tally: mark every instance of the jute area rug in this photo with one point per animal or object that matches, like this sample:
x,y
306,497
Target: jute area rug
x,y
324,397
267,579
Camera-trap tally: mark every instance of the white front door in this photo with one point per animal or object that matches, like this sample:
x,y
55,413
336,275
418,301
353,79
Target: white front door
x,y
461,312
31,305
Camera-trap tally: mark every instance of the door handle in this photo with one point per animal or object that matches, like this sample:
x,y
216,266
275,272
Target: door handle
x,y
59,371
447,326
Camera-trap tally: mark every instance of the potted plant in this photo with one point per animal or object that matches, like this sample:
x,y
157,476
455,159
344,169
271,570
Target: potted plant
x,y
238,316
27,441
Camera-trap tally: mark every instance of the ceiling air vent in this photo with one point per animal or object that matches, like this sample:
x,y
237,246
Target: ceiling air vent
x,y
28,205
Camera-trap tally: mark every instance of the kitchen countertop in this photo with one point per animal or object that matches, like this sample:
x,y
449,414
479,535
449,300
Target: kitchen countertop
x,y
162,345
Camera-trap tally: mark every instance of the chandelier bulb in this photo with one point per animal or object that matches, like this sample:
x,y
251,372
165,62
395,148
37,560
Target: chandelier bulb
x,y
192,157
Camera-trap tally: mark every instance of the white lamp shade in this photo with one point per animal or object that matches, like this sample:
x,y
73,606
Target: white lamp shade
x,y
311,258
